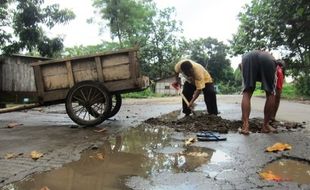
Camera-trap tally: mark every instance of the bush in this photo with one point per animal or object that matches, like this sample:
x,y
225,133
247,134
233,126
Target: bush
x,y
289,91
228,88
303,85
147,93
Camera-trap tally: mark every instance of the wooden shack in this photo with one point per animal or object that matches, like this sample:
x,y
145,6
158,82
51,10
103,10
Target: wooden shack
x,y
163,86
17,77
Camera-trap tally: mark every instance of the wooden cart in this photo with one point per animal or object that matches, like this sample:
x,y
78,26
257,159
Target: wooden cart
x,y
90,86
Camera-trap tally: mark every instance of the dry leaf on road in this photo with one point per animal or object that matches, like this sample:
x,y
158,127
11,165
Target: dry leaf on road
x,y
278,147
9,156
270,176
190,141
13,124
36,155
100,156
100,130
198,154
45,188
12,155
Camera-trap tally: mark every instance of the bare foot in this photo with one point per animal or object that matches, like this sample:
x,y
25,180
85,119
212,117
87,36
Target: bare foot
x,y
244,130
272,120
268,129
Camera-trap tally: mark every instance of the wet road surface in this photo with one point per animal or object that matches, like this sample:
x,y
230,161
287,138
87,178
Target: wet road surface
x,y
141,158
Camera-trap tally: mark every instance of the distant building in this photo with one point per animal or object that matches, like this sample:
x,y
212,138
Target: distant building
x,y
163,86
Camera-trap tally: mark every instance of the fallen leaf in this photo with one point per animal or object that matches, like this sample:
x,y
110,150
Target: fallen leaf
x,y
190,141
278,147
44,188
100,130
281,163
198,154
270,176
36,155
13,124
9,156
12,155
100,156
38,109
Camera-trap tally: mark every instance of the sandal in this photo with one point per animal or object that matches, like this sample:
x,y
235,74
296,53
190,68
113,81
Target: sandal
x,y
210,136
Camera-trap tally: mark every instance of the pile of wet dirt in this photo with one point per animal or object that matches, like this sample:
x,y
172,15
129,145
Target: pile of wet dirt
x,y
205,122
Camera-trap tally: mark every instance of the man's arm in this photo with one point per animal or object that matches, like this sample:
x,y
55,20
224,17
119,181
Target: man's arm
x,y
195,96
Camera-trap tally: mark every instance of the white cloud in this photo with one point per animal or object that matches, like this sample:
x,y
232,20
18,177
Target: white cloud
x,y
201,19
78,31
207,18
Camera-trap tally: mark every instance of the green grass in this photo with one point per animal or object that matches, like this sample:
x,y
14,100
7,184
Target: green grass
x,y
288,92
147,93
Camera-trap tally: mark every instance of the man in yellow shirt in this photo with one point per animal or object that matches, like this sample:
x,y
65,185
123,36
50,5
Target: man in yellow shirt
x,y
198,80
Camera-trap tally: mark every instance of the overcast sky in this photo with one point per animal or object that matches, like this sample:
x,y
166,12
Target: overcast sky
x,y
200,18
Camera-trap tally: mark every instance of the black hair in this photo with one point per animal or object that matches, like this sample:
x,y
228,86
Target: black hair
x,y
280,62
186,68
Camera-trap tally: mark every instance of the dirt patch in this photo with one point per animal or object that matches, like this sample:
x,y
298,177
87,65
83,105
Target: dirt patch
x,y
205,122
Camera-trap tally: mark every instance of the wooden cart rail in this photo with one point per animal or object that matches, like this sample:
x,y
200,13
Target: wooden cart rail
x,y
117,70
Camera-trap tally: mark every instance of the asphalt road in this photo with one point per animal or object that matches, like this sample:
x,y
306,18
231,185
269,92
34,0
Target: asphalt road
x,y
50,130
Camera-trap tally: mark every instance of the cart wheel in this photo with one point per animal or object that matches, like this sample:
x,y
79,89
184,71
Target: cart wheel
x,y
88,103
116,104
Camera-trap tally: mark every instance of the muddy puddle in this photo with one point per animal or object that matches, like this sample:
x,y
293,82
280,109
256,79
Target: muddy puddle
x,y
204,122
142,151
290,170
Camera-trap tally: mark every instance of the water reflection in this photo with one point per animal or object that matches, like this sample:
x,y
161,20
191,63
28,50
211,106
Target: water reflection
x,y
141,152
290,170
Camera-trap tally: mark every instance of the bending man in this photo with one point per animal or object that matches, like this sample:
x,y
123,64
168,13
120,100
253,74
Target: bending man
x,y
258,66
198,80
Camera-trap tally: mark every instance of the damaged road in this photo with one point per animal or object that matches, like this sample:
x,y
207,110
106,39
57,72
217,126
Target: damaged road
x,y
154,155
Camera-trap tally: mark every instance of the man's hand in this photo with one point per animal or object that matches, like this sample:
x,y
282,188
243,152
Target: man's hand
x,y
190,105
176,85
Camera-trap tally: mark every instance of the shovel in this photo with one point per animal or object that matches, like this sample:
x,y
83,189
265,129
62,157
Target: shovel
x,y
177,87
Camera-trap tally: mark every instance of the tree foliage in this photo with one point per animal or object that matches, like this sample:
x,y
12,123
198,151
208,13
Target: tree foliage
x,y
160,52
27,20
126,18
212,54
141,23
4,22
278,25
91,49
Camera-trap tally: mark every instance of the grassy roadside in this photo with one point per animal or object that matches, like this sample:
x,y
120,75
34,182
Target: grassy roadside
x,y
288,92
147,93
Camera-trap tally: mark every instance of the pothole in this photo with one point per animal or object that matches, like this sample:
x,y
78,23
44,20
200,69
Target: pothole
x,y
286,169
142,151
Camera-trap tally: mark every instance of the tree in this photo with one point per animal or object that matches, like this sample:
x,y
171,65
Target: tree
x,y
92,49
141,23
212,54
4,23
160,53
27,21
275,25
126,18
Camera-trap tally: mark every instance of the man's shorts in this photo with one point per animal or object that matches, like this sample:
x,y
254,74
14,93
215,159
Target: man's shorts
x,y
259,66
